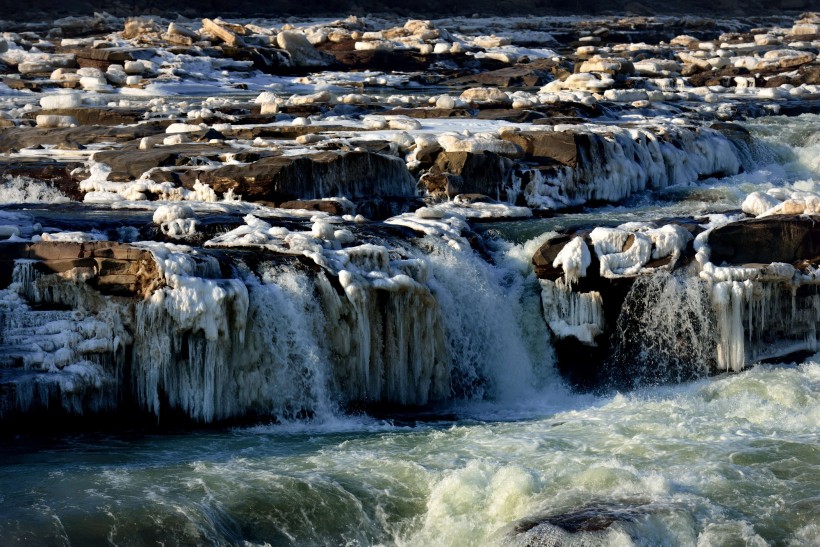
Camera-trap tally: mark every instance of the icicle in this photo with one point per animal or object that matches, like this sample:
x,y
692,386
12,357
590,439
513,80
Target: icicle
x,y
568,313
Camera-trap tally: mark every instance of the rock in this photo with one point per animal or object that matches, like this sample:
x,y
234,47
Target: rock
x,y
740,266
486,95
537,73
301,51
28,137
177,29
47,66
766,240
480,173
95,115
116,269
221,31
129,164
558,146
137,26
354,175
331,206
479,144
612,66
56,173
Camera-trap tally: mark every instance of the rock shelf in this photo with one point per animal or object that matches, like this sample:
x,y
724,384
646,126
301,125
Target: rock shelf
x,y
190,175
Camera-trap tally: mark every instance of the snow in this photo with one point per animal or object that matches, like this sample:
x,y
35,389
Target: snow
x,y
574,259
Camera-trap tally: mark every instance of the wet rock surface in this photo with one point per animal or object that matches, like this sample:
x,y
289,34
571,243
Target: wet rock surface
x,y
713,281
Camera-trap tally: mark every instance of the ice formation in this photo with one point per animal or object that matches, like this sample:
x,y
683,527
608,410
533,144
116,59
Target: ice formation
x,y
618,162
568,313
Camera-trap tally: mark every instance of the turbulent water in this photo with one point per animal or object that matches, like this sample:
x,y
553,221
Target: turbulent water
x,y
730,460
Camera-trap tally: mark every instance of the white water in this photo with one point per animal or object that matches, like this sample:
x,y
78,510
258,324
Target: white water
x,y
725,461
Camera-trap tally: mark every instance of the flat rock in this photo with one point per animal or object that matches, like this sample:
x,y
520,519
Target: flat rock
x,y
17,138
786,239
112,268
130,164
97,115
536,73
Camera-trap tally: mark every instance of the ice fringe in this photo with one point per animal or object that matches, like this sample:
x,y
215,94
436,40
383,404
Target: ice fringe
x,y
616,162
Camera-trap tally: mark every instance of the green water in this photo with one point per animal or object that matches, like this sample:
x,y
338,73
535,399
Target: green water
x,y
731,460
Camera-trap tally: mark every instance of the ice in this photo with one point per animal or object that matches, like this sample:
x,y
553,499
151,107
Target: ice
x,y
574,259
66,100
624,161
176,220
758,203
572,314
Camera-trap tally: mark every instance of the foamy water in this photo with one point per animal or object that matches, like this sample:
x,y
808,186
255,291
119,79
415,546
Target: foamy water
x,y
729,460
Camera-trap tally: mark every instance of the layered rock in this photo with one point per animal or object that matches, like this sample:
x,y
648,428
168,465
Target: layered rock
x,y
644,304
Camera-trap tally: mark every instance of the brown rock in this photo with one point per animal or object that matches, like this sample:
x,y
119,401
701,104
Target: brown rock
x,y
131,163
114,268
766,240
16,138
543,258
484,173
536,73
222,31
55,172
328,206
550,145
354,175
97,115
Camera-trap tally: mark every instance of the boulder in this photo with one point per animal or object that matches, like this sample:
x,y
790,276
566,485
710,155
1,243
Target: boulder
x,y
222,31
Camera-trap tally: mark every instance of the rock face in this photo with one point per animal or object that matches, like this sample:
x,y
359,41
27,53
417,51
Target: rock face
x,y
656,305
544,146
312,176
102,329
471,173
110,268
784,239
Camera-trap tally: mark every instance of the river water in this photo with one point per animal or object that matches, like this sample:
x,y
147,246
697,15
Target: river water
x,y
727,460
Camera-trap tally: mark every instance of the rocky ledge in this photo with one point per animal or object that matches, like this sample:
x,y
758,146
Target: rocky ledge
x,y
545,114
684,298
220,220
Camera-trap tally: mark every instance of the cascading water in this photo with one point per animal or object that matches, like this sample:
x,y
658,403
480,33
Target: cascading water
x,y
415,325
666,330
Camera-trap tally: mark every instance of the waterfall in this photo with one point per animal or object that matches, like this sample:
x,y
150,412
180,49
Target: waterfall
x,y
491,316
413,323
666,330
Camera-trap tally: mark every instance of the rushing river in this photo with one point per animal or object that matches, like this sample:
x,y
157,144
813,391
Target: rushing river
x,y
729,460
